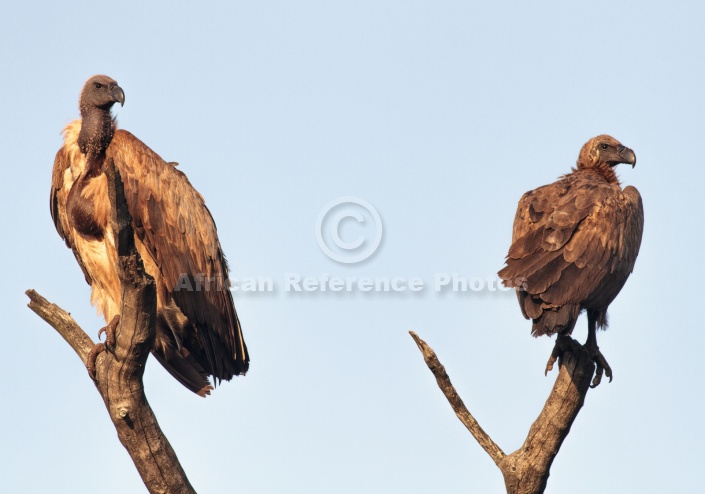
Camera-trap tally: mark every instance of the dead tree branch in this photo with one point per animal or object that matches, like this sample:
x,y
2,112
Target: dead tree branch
x,y
456,402
119,370
526,470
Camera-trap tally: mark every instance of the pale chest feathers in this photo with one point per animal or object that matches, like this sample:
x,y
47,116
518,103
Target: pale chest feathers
x,y
99,259
74,154
87,218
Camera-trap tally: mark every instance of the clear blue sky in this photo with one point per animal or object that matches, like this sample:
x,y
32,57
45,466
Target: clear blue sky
x,y
439,114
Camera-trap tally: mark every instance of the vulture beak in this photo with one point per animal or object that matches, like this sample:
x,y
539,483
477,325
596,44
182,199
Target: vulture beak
x,y
627,156
118,95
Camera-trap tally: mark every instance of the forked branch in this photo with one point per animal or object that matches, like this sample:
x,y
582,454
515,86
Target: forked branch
x,y
526,470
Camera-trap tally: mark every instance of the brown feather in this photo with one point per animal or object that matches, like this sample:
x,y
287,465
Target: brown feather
x,y
198,331
184,244
575,241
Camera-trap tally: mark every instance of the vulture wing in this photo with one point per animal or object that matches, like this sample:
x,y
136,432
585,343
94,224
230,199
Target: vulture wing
x,y
574,243
173,223
61,182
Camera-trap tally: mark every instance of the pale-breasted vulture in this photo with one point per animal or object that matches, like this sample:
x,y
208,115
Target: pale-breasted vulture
x,y
198,332
574,244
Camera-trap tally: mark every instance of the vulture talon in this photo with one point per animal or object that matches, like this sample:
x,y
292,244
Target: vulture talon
x,y
563,342
109,331
601,365
598,377
549,365
92,356
555,357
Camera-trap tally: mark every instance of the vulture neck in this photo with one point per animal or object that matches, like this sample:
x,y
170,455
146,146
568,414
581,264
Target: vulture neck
x,y
605,170
97,129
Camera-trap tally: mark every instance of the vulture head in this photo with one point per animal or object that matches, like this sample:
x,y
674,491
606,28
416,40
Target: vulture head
x,y
605,150
100,91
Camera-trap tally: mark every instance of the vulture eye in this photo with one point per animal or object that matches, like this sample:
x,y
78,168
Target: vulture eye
x,y
604,146
97,85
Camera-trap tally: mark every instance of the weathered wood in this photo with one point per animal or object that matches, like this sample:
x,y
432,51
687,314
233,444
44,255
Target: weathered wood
x,y
456,402
527,469
119,370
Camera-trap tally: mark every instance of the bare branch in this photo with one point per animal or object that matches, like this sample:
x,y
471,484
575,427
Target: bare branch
x,y
456,402
527,469
62,322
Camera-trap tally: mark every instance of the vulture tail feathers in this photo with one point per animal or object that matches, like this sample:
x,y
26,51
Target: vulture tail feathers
x,y
556,320
187,371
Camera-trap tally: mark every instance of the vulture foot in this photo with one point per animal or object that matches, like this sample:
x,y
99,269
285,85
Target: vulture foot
x,y
555,357
602,367
564,343
90,362
109,331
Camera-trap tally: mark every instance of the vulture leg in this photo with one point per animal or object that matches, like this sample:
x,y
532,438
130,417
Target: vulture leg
x,y
594,352
109,331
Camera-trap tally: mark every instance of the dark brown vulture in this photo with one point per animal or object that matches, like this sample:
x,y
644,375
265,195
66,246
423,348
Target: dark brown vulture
x,y
198,333
574,245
